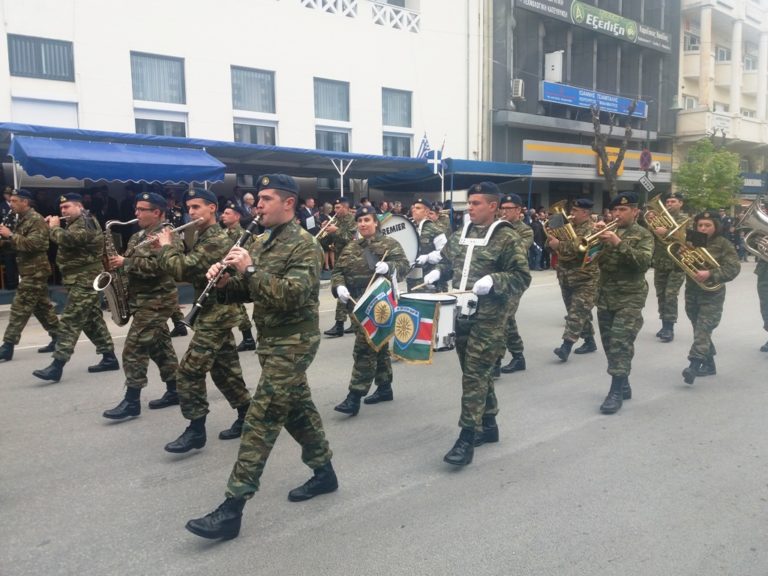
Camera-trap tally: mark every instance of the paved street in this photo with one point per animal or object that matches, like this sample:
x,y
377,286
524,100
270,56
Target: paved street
x,y
674,484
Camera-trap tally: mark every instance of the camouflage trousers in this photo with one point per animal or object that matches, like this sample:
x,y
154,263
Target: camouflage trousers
x,y
149,338
762,290
31,298
82,314
668,282
282,399
512,336
341,312
618,330
177,315
210,351
579,293
244,321
704,310
478,344
368,365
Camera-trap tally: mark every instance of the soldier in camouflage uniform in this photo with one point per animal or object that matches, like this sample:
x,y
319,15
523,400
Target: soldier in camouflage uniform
x,y
578,283
174,215
212,348
29,239
230,219
667,276
511,211
431,241
81,245
762,292
498,270
351,276
341,234
281,275
622,290
152,298
704,308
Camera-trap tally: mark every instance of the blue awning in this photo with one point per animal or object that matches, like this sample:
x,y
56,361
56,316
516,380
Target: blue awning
x,y
114,161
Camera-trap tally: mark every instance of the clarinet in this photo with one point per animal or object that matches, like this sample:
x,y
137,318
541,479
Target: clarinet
x,y
190,319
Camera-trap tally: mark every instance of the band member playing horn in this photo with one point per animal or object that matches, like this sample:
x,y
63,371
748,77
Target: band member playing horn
x,y
79,259
212,348
431,241
704,308
489,259
578,283
622,291
152,299
281,275
340,234
373,253
29,238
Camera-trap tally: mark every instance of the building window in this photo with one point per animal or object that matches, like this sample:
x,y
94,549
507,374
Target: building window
x,y
40,58
744,165
253,90
747,113
157,78
254,134
691,42
331,100
721,107
722,54
336,140
396,145
690,102
395,108
161,127
750,62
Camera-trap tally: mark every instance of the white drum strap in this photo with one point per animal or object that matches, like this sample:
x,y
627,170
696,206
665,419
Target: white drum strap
x,y
470,243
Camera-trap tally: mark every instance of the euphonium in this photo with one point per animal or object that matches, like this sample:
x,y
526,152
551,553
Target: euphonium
x,y
559,223
692,260
656,215
114,283
588,241
756,221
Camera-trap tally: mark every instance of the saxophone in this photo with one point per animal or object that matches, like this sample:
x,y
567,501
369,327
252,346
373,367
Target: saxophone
x,y
114,283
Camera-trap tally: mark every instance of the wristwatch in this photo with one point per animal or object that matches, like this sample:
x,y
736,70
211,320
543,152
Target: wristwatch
x,y
250,271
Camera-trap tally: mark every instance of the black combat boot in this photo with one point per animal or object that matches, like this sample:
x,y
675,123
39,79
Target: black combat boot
x,y
48,348
248,342
690,373
383,393
351,404
350,330
192,437
108,362
236,430
564,351
667,332
515,365
490,433
589,345
764,347
129,407
223,523
53,372
179,329
613,401
336,330
169,398
463,450
497,368
6,352
626,389
707,367
323,482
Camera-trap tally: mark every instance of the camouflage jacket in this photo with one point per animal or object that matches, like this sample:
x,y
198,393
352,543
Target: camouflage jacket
x,y
212,245
146,278
504,258
428,231
724,252
286,285
30,241
570,259
622,269
235,233
345,234
444,224
524,231
661,258
352,269
81,245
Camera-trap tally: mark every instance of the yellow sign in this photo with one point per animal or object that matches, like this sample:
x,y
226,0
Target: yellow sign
x,y
613,154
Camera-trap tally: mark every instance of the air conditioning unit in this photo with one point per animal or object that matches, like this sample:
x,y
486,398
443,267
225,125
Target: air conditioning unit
x,y
518,89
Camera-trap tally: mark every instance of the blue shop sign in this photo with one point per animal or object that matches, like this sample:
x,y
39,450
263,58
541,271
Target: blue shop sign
x,y
583,98
753,183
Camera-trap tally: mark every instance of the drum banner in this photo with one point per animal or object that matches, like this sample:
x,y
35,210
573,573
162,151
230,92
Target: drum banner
x,y
375,312
415,324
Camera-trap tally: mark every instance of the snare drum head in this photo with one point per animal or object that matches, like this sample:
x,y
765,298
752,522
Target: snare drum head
x,y
424,296
402,230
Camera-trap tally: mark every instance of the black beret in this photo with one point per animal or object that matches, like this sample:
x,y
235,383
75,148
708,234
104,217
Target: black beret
x,y
278,182
153,198
484,188
23,193
202,194
584,203
236,207
70,197
365,211
425,203
667,195
624,199
710,214
342,201
512,199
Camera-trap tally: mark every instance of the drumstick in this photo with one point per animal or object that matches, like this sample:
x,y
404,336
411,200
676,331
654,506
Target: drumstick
x,y
374,274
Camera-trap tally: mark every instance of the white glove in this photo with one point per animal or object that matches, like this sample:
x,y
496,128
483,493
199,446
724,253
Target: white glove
x,y
432,277
381,268
440,241
421,260
483,286
434,257
343,294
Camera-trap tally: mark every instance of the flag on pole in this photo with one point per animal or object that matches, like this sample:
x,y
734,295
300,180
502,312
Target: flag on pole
x,y
424,147
375,312
435,158
414,330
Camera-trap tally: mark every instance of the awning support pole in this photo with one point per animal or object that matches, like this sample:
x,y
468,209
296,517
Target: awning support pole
x,y
15,175
341,171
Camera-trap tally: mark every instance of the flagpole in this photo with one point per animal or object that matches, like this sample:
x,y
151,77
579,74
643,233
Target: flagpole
x,y
374,274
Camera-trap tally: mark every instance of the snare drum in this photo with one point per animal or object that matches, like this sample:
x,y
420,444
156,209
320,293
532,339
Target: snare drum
x,y
402,230
444,335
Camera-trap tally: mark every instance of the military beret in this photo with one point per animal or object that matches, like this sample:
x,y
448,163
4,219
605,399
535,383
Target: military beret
x,y
23,193
278,182
584,203
342,201
484,188
624,199
236,207
425,203
70,197
365,211
667,195
512,199
153,198
709,214
202,194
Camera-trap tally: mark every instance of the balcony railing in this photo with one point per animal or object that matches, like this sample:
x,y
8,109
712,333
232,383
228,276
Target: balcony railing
x,y
395,17
346,8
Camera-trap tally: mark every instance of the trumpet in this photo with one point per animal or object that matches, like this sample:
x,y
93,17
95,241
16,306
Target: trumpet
x,y
588,241
323,233
153,237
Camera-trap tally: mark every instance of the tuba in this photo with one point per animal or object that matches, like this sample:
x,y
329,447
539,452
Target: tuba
x,y
559,223
114,283
756,221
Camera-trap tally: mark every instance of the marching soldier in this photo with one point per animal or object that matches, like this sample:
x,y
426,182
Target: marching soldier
x,y
341,234
496,263
81,245
281,275
174,214
762,292
622,291
704,308
377,254
152,298
29,239
578,283
431,241
212,348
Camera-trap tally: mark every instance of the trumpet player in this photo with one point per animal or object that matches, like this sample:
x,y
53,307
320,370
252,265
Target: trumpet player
x,y
704,308
152,299
340,234
29,238
81,245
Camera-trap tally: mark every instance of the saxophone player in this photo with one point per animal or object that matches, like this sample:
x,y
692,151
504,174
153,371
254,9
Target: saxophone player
x,y
81,245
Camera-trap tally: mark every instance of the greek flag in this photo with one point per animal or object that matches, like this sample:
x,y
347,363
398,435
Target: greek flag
x,y
424,147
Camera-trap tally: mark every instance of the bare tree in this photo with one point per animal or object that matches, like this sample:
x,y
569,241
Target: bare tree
x,y
600,143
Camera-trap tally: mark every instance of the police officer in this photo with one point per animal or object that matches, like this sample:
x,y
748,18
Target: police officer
x,y
489,259
281,275
341,234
